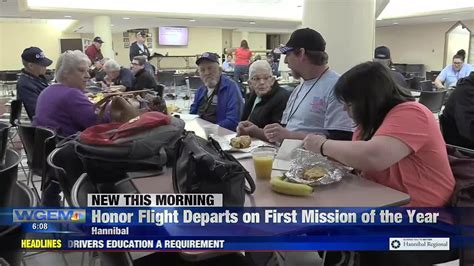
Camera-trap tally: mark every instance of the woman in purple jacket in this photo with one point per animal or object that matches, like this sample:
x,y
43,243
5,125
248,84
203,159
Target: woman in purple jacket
x,y
63,106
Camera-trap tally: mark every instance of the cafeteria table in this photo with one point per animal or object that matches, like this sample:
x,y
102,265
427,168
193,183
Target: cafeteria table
x,y
351,191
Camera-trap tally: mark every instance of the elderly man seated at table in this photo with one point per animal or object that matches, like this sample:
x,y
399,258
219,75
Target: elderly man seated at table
x,y
32,80
63,106
266,103
143,78
219,101
117,75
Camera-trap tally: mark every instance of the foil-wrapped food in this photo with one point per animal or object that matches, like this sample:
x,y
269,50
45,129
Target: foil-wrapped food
x,y
314,169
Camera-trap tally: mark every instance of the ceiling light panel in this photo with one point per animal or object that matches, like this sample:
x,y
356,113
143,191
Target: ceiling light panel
x,y
265,9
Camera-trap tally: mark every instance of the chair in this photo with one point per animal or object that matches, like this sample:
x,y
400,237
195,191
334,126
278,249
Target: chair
x,y
22,196
82,187
15,116
195,83
433,100
414,83
8,176
4,133
38,143
166,78
66,167
15,112
432,75
426,85
179,80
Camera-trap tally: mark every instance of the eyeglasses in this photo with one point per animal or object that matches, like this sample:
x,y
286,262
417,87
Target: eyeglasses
x,y
257,79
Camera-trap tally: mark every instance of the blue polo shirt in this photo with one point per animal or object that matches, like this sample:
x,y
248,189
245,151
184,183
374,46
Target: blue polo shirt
x,y
450,77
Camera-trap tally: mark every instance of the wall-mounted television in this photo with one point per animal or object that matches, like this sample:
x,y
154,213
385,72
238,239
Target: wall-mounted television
x,y
172,36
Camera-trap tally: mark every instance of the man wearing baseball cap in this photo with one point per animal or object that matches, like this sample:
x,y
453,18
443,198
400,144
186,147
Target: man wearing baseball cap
x,y
219,100
138,48
382,55
93,51
32,80
312,107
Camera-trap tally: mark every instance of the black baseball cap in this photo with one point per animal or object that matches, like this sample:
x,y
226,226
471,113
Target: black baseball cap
x,y
382,52
213,57
143,34
306,38
36,56
98,39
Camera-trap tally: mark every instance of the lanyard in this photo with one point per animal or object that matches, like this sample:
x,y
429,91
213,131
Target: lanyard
x,y
290,115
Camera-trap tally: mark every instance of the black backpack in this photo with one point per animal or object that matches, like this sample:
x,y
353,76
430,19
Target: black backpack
x,y
201,166
148,150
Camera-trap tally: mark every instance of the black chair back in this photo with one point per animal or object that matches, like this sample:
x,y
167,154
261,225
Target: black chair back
x,y
22,197
434,100
179,80
432,75
27,136
195,83
81,189
67,168
414,83
426,85
45,143
38,143
166,78
8,177
4,131
15,112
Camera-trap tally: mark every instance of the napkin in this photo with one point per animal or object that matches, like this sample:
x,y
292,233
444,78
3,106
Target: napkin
x,y
286,154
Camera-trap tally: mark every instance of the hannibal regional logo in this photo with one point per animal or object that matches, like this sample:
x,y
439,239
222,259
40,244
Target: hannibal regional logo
x,y
395,244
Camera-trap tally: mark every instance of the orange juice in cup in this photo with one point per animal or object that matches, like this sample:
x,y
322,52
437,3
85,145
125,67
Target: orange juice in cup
x,y
263,161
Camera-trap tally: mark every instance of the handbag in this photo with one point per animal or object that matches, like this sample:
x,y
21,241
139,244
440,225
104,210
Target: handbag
x,y
201,166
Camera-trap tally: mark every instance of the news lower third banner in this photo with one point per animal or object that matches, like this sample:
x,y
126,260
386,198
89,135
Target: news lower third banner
x,y
173,222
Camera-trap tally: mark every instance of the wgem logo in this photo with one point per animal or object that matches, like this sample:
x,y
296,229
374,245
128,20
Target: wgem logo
x,y
49,215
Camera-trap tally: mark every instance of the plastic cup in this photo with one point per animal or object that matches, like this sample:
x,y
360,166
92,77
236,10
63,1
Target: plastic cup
x,y
211,130
263,161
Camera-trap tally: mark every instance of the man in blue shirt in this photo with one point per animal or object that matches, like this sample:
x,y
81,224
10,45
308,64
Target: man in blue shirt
x,y
219,101
452,73
32,80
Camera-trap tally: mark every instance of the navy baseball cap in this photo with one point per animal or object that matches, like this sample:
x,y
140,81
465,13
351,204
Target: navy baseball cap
x,y
213,57
143,34
98,39
382,52
36,56
306,38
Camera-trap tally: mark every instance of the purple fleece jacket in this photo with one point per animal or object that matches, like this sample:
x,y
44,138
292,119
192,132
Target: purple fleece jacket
x,y
65,110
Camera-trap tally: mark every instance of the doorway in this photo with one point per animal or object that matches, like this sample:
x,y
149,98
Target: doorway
x,y
457,37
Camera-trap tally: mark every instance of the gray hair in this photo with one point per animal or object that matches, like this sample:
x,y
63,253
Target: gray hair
x,y
260,65
68,61
111,65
